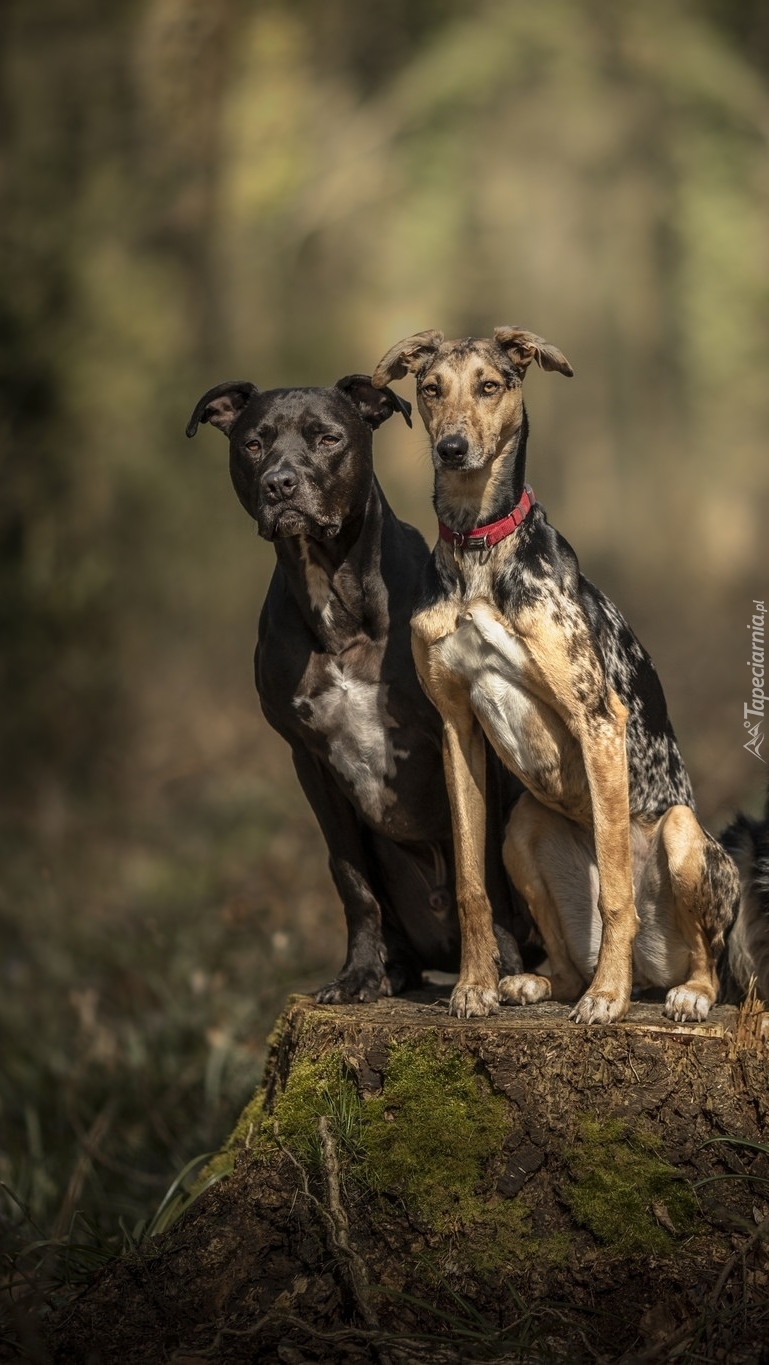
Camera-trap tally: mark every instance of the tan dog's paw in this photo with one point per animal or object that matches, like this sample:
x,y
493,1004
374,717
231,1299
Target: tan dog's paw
x,y
599,1008
468,1002
525,988
686,1006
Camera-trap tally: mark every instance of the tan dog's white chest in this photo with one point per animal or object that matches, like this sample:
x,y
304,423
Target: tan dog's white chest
x,y
496,667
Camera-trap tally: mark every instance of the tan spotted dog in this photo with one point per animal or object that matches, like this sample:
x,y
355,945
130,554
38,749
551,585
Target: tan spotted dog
x,y
512,641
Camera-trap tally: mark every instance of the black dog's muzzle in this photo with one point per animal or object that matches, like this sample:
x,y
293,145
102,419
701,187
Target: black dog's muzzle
x,y
279,484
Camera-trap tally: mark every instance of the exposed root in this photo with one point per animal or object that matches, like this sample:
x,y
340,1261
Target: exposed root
x,y
356,1270
338,1230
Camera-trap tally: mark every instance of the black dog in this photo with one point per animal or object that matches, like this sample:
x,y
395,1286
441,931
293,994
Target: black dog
x,y
336,679
746,960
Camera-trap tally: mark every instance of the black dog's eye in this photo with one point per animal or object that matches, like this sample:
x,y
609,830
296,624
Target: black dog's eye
x,y
490,386
429,390
328,439
254,446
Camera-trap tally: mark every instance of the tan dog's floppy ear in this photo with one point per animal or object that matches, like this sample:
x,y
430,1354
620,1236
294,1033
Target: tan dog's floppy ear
x,y
523,347
374,404
222,405
409,355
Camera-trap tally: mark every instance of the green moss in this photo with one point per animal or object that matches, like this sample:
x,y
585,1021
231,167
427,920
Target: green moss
x,y
617,1175
429,1137
316,1086
433,1139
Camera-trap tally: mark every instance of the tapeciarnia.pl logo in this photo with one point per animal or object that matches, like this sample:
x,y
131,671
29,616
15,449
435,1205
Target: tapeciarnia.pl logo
x,y
753,711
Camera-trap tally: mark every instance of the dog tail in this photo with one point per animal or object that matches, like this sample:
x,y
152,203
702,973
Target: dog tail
x,y
746,957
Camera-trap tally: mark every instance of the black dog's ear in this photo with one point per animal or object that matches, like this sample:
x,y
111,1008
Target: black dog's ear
x,y
222,406
523,347
374,404
406,357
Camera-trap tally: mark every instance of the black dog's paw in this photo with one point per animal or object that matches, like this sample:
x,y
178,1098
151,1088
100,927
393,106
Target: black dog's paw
x,y
359,987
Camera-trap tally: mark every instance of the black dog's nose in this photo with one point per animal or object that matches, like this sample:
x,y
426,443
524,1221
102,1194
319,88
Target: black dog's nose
x,y
280,484
451,449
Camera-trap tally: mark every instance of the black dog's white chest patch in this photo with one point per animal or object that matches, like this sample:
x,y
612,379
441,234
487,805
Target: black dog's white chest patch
x,y
353,718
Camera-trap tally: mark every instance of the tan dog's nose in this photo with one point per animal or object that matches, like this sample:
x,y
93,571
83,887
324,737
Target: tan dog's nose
x,y
451,450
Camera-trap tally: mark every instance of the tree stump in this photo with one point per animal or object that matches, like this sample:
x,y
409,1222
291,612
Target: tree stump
x,y
411,1187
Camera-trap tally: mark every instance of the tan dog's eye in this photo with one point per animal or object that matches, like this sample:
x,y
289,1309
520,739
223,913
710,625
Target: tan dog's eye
x,y
429,390
490,386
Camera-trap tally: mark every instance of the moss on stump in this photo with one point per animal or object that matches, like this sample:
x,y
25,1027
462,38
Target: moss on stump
x,y
411,1187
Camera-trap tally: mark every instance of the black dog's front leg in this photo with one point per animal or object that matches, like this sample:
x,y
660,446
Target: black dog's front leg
x,y
363,976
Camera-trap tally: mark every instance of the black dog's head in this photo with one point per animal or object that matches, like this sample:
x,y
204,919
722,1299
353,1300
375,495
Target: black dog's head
x,y
300,459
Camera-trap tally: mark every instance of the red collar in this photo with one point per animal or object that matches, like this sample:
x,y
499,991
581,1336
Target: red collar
x,y
483,537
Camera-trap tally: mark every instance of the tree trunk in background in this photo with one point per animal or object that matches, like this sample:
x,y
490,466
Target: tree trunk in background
x,y
109,154
413,1187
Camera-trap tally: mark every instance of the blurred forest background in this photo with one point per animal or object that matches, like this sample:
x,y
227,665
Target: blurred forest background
x,y
195,191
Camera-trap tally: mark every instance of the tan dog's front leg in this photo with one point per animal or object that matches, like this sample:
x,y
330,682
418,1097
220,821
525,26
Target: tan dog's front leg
x,y
464,758
464,761
605,756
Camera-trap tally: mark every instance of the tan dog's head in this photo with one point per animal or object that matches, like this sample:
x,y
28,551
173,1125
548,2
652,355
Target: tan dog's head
x,y
469,390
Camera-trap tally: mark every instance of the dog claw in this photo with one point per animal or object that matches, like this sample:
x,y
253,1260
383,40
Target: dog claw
x,y
598,1009
468,1002
525,988
686,1006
